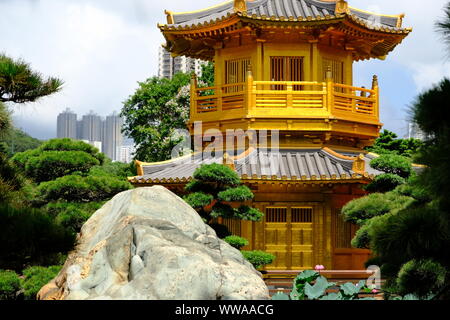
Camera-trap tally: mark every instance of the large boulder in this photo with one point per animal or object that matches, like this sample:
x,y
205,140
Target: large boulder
x,y
148,244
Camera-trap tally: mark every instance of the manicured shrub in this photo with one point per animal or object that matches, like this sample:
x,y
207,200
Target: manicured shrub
x,y
30,236
258,258
392,163
217,174
58,157
385,183
36,278
377,204
72,215
236,242
75,188
239,194
413,233
421,278
54,164
216,191
362,239
9,285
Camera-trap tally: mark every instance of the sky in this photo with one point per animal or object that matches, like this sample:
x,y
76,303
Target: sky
x,y
102,48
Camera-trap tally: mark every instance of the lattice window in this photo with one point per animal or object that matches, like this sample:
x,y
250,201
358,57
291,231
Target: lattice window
x,y
337,70
286,69
276,215
302,215
236,72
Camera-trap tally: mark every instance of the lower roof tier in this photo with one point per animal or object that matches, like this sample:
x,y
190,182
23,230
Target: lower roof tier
x,y
313,165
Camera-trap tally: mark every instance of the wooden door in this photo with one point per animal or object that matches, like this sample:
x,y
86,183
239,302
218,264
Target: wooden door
x,y
289,236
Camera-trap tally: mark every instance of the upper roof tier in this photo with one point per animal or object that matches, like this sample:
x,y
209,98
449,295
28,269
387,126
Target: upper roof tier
x,y
224,18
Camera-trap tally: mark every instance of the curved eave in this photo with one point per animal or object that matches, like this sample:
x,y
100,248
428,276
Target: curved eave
x,y
355,178
220,23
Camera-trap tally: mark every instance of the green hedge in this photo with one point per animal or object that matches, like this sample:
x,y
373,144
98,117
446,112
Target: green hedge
x,y
76,188
9,285
258,258
36,278
30,236
236,242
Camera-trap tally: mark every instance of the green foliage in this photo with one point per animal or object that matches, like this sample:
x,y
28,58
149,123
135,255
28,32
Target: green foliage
x,y
20,84
385,183
5,120
16,140
310,285
30,236
413,233
362,239
114,169
248,213
75,188
388,142
258,258
217,175
207,74
421,277
236,242
9,285
394,164
239,194
72,215
36,278
199,200
377,204
153,113
55,164
57,158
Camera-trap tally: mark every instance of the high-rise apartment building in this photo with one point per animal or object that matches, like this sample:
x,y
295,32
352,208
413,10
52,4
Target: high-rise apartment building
x,y
112,136
415,132
105,135
67,124
91,127
169,66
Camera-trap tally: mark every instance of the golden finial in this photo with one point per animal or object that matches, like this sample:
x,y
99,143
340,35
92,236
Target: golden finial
x,y
341,7
375,81
240,6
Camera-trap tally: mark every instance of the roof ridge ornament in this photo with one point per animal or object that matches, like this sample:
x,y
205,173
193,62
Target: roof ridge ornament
x,y
341,7
240,6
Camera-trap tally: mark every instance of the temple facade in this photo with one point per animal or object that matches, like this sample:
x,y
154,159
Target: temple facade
x,y
285,115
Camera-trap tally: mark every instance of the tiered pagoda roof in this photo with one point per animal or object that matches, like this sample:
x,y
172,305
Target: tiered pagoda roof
x,y
380,32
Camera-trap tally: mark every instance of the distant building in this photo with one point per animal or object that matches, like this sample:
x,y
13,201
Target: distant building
x,y
104,134
169,66
112,136
67,124
126,153
91,127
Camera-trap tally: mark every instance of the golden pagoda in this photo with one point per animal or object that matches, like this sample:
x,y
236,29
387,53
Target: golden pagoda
x,y
284,72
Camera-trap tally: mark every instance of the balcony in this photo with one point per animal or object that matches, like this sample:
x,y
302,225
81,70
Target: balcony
x,y
324,101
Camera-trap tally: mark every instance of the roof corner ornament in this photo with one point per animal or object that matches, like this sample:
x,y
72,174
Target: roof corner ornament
x,y
400,20
359,165
342,7
169,15
240,6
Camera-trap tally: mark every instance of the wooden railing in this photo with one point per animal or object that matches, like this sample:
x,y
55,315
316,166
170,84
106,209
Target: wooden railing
x,y
285,98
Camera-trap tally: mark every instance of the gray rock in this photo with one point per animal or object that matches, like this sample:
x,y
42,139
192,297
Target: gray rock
x,y
148,244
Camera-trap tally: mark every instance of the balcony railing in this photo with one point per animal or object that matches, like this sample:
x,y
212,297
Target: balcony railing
x,y
285,99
